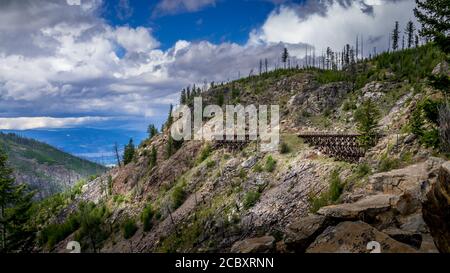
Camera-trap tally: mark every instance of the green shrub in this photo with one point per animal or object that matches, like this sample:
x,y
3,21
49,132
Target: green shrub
x,y
205,152
270,164
129,228
257,168
210,163
251,198
54,233
363,169
284,148
92,230
336,186
328,76
242,174
147,216
349,105
119,199
330,196
387,163
318,202
430,138
178,195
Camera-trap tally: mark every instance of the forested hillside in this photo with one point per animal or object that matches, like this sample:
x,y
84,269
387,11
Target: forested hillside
x,y
43,167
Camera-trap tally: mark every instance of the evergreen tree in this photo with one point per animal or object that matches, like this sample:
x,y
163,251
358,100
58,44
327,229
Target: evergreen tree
x,y
152,131
367,116
434,17
417,121
188,94
169,147
417,40
409,31
395,36
285,56
183,97
15,203
153,157
169,118
128,153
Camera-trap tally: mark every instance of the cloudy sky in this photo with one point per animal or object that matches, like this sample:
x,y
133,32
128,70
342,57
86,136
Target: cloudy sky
x,y
120,63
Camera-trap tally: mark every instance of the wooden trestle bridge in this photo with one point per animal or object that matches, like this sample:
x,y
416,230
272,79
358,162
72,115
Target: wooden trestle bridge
x,y
341,146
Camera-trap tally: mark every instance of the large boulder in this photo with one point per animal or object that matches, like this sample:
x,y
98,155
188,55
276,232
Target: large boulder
x,y
302,232
365,209
254,245
413,179
436,209
354,237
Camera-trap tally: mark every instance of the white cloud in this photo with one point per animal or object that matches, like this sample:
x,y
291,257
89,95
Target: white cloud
x,y
335,24
26,123
135,40
68,64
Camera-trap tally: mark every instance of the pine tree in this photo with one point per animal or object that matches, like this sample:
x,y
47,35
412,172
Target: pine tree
x,y
152,131
188,94
395,36
285,56
153,157
183,97
169,118
434,17
409,31
260,67
417,40
128,153
417,121
15,202
367,116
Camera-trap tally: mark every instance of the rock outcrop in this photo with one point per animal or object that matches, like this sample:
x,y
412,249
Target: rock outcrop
x,y
355,237
254,245
436,209
387,210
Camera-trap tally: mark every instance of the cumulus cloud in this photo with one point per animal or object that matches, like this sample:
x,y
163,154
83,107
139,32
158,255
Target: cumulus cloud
x,y
70,63
335,23
180,6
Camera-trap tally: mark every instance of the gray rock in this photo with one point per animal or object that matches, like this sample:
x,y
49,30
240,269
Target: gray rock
x,y
354,237
302,232
250,162
436,209
410,238
366,208
254,245
441,69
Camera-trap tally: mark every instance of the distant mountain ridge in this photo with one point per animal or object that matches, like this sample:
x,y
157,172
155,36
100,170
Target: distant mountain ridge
x,y
43,167
95,145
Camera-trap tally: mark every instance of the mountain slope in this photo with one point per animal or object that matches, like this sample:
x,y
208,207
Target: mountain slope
x,y
206,198
43,167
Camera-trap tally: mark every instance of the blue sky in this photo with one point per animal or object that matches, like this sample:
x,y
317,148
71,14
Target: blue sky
x,y
224,21
119,64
